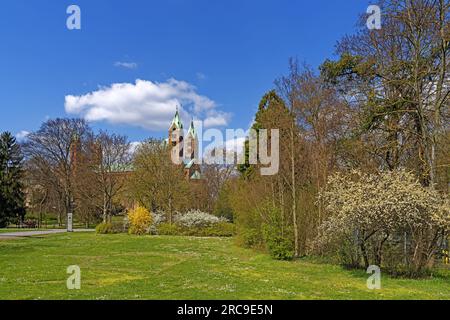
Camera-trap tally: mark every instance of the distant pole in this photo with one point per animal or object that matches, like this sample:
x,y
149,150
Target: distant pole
x,y
70,216
70,222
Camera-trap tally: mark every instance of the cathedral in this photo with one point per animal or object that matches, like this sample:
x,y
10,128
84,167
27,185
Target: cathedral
x,y
188,150
188,147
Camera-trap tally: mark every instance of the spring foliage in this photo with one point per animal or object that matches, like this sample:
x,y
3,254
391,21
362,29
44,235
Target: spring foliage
x,y
387,218
197,219
140,221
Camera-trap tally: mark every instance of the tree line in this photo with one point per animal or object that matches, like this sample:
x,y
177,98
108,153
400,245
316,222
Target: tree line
x,y
64,167
381,107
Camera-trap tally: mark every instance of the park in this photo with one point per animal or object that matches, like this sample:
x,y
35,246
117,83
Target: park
x,y
167,267
335,187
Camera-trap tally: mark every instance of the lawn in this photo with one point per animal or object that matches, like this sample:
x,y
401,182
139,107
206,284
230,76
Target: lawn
x,y
130,267
11,230
8,230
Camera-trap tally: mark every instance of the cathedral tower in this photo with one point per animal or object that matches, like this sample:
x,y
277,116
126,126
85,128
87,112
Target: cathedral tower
x,y
191,144
176,135
187,149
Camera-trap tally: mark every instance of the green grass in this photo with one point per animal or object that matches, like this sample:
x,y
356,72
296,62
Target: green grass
x,y
17,230
130,267
11,230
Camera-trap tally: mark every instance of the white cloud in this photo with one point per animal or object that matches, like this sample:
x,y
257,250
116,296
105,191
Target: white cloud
x,y
127,65
216,119
146,104
22,135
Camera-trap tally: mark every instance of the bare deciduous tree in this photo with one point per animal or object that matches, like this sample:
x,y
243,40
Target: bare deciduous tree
x,y
52,152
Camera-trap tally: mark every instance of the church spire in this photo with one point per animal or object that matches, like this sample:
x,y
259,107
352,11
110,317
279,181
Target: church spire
x,y
177,120
192,130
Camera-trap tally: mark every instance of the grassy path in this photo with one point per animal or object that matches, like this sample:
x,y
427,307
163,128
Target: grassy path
x,y
129,267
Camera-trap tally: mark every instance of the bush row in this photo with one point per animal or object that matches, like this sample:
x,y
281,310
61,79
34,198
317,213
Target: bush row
x,y
110,228
221,229
140,221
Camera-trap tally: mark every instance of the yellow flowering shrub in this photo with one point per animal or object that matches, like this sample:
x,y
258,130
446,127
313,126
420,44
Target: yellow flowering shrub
x,y
140,220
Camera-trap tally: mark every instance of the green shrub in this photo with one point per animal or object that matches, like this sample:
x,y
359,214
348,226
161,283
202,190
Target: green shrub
x,y
110,228
167,229
222,229
104,228
280,248
279,242
119,227
250,238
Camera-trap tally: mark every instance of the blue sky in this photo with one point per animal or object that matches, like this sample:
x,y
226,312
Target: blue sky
x,y
216,57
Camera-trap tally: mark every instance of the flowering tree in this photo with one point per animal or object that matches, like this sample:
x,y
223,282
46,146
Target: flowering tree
x,y
198,219
377,212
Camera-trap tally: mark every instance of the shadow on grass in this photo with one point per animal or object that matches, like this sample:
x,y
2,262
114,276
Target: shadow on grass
x,y
441,272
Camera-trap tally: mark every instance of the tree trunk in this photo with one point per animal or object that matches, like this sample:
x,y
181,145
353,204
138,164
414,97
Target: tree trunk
x,y
105,209
364,254
170,211
294,196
